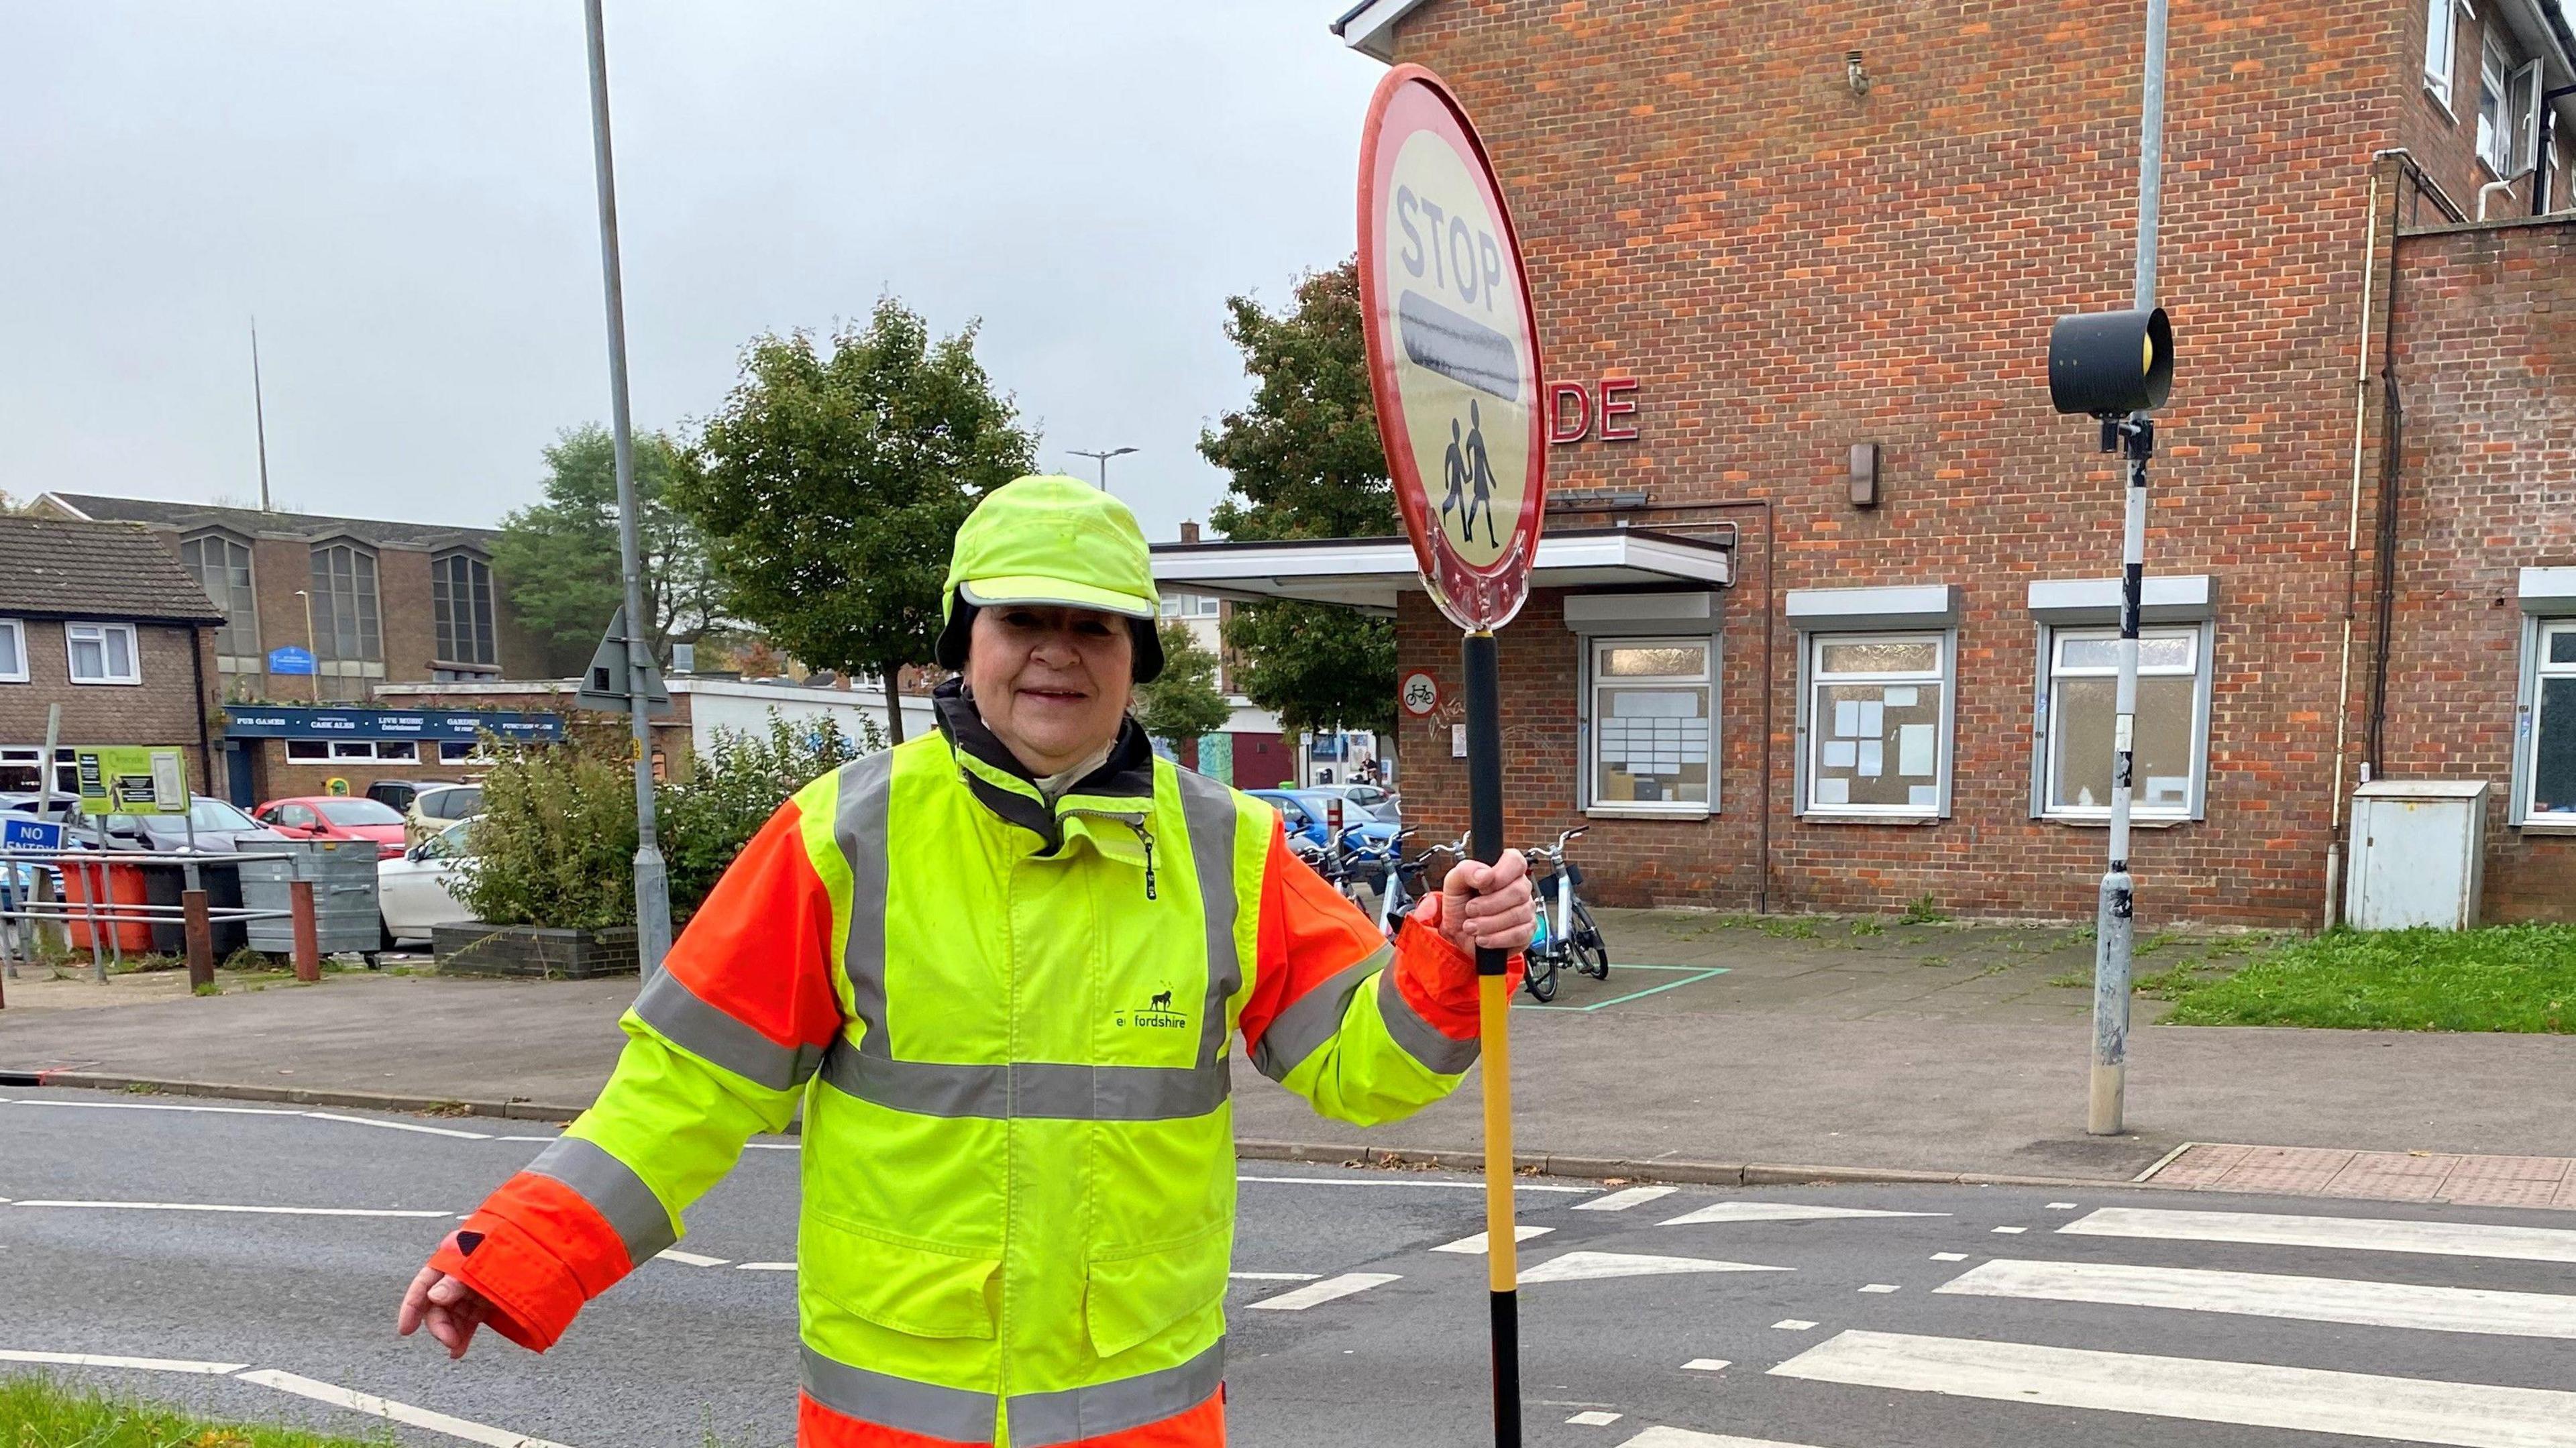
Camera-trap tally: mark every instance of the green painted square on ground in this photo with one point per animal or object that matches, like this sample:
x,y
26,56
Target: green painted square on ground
x,y
1692,975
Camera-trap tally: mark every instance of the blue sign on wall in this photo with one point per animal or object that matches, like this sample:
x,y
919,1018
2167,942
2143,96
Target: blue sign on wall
x,y
290,660
461,726
31,834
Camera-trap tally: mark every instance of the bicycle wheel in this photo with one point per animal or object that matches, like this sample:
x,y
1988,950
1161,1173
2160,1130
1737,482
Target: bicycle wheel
x,y
1541,980
1591,952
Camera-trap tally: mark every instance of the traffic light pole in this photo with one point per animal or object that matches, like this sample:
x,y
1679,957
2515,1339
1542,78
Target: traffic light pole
x,y
2114,925
652,876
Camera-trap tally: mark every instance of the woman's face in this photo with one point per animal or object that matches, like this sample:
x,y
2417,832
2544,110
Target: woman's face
x,y
1050,682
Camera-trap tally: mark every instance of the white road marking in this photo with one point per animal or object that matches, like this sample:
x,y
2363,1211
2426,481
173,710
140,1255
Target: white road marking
x,y
1949,1256
2364,1234
764,1266
340,1397
2016,1231
1588,1266
768,1145
1880,1287
1475,1246
527,1138
1595,1420
401,1126
1397,1181
1684,1438
2364,1405
1781,1212
110,1360
1706,1365
1622,1200
2260,1294
165,1106
1328,1290
263,1211
1275,1276
2061,1206
692,1259
1793,1324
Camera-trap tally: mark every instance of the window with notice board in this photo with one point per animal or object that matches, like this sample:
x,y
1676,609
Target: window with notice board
x,y
1653,730
1877,726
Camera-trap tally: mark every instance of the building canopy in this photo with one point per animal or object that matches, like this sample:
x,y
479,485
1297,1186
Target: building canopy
x,y
1370,574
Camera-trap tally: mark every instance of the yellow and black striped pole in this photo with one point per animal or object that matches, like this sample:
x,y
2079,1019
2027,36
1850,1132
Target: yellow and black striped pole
x,y
1494,1011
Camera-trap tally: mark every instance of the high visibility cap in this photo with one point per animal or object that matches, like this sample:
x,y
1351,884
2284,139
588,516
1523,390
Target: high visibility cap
x,y
1051,540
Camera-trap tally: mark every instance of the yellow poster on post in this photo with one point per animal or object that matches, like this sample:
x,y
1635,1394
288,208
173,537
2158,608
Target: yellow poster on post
x,y
132,779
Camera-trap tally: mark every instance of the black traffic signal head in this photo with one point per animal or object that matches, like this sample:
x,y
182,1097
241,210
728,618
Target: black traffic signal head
x,y
2110,364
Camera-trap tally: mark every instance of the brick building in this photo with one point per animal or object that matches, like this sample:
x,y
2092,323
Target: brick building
x,y
99,619
1747,262
391,602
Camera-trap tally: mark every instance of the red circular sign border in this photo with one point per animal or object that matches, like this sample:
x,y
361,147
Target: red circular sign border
x,y
1474,599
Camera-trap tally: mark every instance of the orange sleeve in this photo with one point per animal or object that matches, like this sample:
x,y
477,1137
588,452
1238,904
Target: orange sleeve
x,y
760,948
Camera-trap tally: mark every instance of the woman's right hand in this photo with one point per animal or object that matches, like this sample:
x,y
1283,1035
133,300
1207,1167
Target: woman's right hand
x,y
451,1309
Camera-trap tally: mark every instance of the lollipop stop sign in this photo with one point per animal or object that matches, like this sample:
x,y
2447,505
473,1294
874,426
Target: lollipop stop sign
x,y
1454,368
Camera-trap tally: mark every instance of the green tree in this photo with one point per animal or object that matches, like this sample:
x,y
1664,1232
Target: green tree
x,y
833,480
1306,463
1184,701
555,844
557,560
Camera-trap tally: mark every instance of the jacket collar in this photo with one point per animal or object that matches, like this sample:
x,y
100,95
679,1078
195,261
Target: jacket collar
x,y
1122,785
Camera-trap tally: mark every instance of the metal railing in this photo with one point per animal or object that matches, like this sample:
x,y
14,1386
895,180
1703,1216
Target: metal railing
x,y
34,906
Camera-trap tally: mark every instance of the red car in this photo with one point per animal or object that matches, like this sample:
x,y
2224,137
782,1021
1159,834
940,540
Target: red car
x,y
336,817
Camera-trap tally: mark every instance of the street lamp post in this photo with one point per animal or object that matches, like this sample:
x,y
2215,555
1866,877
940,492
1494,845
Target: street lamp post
x,y
1103,459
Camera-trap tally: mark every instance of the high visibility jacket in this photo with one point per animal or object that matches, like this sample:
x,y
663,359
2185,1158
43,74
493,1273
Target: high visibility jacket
x,y
1009,1026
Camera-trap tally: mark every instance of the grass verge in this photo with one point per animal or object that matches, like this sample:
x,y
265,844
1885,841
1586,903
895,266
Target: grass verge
x,y
2500,978
38,1412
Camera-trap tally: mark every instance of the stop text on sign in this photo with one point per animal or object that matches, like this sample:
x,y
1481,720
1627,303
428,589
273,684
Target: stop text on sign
x,y
1571,410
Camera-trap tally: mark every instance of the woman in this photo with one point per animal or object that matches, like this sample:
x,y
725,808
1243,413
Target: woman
x,y
999,966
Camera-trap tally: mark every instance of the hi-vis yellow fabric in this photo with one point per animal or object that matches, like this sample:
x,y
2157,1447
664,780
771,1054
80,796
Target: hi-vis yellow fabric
x,y
1010,1027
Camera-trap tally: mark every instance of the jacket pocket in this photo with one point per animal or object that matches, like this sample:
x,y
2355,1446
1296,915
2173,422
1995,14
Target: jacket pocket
x,y
915,1287
1131,1296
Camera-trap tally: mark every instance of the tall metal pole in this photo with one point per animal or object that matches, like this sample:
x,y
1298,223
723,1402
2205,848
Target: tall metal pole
x,y
652,879
259,415
2114,925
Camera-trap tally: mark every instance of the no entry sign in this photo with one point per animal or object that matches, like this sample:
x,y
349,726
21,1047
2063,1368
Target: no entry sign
x,y
1452,348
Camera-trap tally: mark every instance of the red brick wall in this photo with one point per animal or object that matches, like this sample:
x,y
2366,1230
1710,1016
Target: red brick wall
x,y
161,710
2486,372
1789,268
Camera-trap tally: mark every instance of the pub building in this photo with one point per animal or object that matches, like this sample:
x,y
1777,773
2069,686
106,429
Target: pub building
x,y
1824,615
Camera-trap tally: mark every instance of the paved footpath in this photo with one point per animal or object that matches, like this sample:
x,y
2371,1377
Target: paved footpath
x,y
245,1257
1795,1040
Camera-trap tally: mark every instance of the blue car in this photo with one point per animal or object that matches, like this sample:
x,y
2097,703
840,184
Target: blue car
x,y
1306,811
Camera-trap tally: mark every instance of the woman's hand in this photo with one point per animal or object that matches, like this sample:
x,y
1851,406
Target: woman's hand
x,y
1485,906
450,1308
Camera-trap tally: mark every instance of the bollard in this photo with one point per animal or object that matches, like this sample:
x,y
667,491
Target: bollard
x,y
201,939
308,935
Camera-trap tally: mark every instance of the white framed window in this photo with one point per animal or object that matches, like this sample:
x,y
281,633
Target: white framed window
x,y
400,751
2441,47
1191,605
1650,747
102,653
13,651
2508,108
348,751
2547,761
2073,733
1875,713
22,770
308,751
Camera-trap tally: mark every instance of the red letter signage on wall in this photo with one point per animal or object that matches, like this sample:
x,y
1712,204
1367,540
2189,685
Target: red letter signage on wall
x,y
1570,410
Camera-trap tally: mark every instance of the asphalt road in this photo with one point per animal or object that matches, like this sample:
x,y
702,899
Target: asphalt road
x,y
2094,1318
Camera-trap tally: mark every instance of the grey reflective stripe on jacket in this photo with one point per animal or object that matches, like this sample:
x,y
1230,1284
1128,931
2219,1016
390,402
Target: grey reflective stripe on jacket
x,y
953,1415
613,1188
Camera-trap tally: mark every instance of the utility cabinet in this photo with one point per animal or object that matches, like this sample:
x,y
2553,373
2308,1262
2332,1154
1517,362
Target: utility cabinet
x,y
2418,854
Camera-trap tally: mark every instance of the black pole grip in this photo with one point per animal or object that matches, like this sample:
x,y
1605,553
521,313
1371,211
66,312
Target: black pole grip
x,y
1481,661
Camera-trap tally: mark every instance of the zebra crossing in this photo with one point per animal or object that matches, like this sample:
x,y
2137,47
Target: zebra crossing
x,y
2016,1369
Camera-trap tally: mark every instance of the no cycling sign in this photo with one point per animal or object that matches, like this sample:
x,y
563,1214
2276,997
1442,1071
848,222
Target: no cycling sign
x,y
1452,349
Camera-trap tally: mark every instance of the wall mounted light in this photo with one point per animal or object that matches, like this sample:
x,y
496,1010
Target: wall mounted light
x,y
1853,72
1864,475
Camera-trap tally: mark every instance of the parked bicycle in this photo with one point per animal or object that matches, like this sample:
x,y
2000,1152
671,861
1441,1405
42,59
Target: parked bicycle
x,y
1404,884
1567,933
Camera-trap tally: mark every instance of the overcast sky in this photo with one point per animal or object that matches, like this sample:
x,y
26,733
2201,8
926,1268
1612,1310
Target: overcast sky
x,y
401,192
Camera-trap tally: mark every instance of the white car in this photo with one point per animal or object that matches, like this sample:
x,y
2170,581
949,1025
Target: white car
x,y
1379,803
413,889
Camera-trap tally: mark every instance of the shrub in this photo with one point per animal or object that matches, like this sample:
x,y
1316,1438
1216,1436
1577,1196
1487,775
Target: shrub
x,y
736,786
555,844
